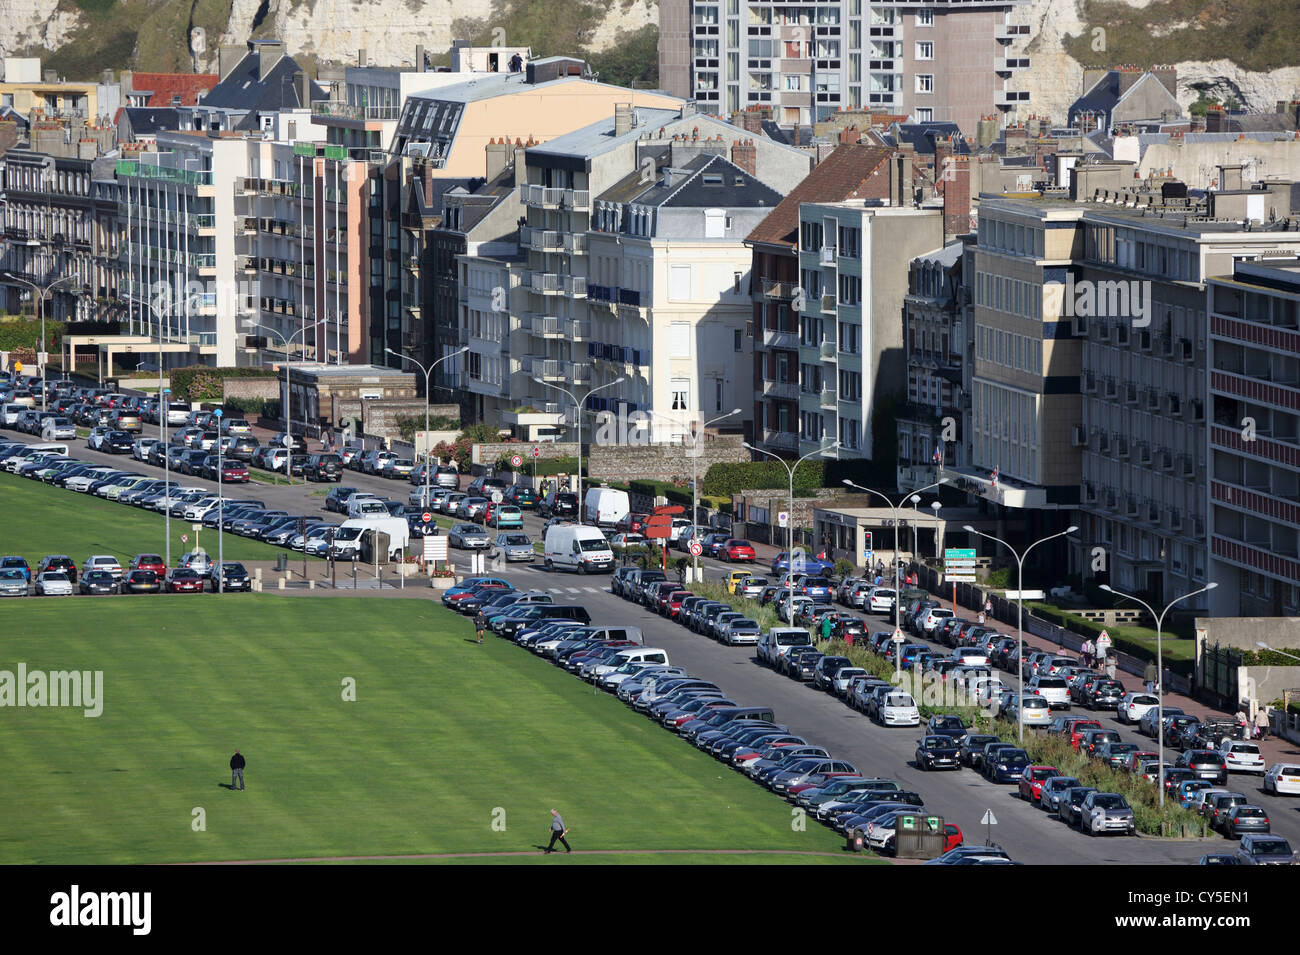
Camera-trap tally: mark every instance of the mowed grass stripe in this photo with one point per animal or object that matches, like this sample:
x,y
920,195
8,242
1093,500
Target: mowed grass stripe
x,y
41,520
443,733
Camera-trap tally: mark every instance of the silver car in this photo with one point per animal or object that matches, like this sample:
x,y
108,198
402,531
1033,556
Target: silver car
x,y
471,507
13,583
742,631
468,537
53,583
1106,812
514,546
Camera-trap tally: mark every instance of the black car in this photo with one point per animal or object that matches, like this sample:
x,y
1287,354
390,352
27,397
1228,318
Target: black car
x,y
192,462
1104,695
1206,763
243,448
98,582
970,749
118,442
950,726
522,497
937,752
141,582
323,467
1007,766
1069,809
233,577
337,499
558,504
802,663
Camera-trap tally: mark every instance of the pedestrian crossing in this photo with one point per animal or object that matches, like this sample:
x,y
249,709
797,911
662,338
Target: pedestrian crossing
x,y
564,591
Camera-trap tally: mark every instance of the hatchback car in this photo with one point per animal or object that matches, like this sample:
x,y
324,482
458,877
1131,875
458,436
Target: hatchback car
x,y
1102,813
514,546
97,582
53,583
1264,850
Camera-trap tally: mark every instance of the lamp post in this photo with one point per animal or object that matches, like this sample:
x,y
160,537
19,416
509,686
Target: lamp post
x,y
1160,671
898,601
221,512
428,383
935,505
40,292
1020,613
789,551
288,433
1264,646
695,478
578,409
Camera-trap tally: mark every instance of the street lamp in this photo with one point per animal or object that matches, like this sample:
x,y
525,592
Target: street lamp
x,y
41,292
695,478
579,406
789,603
935,505
221,511
288,433
428,383
1160,670
898,597
1264,646
1020,613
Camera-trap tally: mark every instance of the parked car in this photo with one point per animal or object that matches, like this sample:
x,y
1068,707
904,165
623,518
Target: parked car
x,y
53,583
1264,850
1102,813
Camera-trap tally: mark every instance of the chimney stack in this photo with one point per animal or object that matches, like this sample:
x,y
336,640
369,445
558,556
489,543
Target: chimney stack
x,y
900,178
303,82
419,57
942,158
956,197
622,119
228,58
361,57
744,154
521,167
1230,176
498,157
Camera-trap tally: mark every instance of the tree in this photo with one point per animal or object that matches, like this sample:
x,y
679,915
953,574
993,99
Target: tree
x,y
632,59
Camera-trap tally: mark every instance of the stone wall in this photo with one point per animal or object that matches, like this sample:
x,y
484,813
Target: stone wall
x,y
268,388
378,416
487,454
1263,685
661,462
1245,633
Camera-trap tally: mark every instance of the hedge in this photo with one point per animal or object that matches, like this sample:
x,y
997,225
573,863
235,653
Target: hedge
x,y
653,489
724,480
25,333
203,382
1091,629
408,424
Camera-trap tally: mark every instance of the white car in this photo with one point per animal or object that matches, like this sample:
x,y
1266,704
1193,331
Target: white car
x,y
1283,779
933,617
1134,706
1242,757
141,448
198,509
1052,689
880,600
197,561
899,709
53,583
971,656
1036,711
102,562
58,429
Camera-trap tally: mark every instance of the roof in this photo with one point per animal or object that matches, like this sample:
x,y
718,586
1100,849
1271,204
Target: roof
x,y
485,86
1104,95
164,86
242,90
837,177
923,136
146,121
738,189
598,137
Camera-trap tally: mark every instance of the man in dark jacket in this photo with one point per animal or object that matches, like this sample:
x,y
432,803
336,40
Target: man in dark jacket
x,y
558,832
237,771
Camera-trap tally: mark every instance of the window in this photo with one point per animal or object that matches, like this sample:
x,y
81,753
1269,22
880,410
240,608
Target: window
x,y
738,340
679,283
925,114
793,81
680,389
679,340
925,18
713,224
924,50
925,82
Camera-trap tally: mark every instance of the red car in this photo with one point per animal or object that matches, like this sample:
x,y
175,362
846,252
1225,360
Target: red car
x,y
632,524
1031,781
952,836
1135,760
672,605
234,472
148,562
182,580
1078,728
737,550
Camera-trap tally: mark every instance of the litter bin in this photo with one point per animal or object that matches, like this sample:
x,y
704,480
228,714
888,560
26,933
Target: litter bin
x,y
919,835
281,563
374,547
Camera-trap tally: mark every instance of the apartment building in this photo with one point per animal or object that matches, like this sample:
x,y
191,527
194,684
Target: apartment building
x,y
1253,432
931,59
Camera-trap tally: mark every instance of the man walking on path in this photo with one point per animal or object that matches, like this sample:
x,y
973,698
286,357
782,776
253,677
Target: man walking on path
x,y
1261,722
237,771
558,832
1149,675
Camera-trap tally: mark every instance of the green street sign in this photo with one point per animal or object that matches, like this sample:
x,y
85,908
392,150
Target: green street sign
x,y
959,553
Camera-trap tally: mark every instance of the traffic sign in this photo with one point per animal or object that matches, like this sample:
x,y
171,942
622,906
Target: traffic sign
x,y
185,538
426,517
959,553
696,548
989,819
898,636
668,509
959,578
537,452
516,460
435,548
782,518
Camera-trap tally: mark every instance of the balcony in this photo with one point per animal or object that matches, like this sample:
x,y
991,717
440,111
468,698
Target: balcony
x,y
550,326
540,240
1010,64
787,390
548,197
348,111
1010,98
779,291
575,243
1011,31
536,413
829,399
828,255
827,350
549,283
785,440
828,304
776,338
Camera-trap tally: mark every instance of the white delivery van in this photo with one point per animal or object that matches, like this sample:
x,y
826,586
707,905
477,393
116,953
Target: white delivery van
x,y
347,539
578,547
606,506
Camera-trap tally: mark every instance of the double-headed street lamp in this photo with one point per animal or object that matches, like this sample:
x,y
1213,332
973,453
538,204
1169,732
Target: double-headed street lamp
x,y
40,293
1160,670
898,523
695,476
288,433
789,551
579,406
1020,613
428,383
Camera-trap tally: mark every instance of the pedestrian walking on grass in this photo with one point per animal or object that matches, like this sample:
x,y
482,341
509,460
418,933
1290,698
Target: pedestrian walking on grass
x,y
1149,675
558,832
237,771
478,630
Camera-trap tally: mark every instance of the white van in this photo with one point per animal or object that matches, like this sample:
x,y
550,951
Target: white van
x,y
347,539
779,641
578,547
606,506
10,412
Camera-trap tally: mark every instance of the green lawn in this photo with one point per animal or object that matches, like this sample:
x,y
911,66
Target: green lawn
x,y
444,737
42,519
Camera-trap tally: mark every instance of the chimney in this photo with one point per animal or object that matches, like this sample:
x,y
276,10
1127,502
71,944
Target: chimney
x,y
986,132
50,76
1168,77
942,157
498,157
1215,119
521,167
302,82
361,57
744,154
268,54
622,119
419,57
900,178
228,58
106,78
956,198
751,120
1230,176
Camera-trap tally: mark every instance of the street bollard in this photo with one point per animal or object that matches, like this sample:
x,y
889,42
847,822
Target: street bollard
x,y
282,583
311,585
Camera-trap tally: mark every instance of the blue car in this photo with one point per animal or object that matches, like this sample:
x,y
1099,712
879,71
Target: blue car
x,y
1009,767
818,588
803,564
16,563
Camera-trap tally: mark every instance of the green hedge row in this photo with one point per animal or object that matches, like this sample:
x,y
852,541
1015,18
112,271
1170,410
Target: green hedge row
x,y
675,494
16,333
724,480
203,382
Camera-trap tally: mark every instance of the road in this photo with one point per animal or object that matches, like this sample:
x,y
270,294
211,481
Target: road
x,y
963,797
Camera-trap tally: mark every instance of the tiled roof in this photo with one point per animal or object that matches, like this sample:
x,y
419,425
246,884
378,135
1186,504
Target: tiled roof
x,y
837,177
163,86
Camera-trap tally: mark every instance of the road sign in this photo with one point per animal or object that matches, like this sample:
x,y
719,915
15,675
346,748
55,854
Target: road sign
x,y
435,548
537,452
516,460
658,531
782,518
185,538
959,563
959,553
426,517
1024,594
959,578
696,548
989,819
898,636
668,510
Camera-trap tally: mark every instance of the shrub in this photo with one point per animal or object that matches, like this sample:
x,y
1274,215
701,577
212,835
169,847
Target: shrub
x,y
726,479
24,333
203,382
248,407
843,568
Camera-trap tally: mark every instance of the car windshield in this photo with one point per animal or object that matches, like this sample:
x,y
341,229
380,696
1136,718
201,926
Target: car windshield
x,y
593,545
516,539
948,723
12,575
1271,847
1109,801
